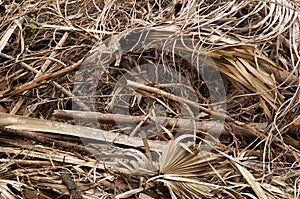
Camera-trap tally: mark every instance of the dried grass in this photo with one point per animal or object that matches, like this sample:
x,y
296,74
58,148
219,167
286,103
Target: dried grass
x,y
255,46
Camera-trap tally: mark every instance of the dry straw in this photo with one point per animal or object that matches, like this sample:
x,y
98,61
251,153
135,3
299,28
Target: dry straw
x,y
254,45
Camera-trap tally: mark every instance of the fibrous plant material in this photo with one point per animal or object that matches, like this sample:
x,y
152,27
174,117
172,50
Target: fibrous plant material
x,y
44,47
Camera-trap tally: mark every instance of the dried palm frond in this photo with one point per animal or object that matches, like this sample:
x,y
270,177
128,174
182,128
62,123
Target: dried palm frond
x,y
134,162
255,44
192,173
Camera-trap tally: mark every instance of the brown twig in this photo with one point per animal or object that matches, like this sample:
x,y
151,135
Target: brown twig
x,y
39,80
127,119
176,123
30,163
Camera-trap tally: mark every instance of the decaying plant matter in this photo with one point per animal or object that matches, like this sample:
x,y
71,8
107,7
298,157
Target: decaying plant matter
x,y
59,57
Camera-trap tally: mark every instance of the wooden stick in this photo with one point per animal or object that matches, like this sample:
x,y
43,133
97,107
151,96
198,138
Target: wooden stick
x,y
39,80
127,119
178,124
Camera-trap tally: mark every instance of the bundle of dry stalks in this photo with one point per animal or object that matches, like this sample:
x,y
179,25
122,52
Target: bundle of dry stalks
x,y
51,52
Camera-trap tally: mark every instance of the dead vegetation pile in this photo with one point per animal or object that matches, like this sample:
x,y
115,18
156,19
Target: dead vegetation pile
x,y
149,99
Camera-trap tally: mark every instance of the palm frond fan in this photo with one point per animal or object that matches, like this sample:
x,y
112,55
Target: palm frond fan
x,y
193,173
200,171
